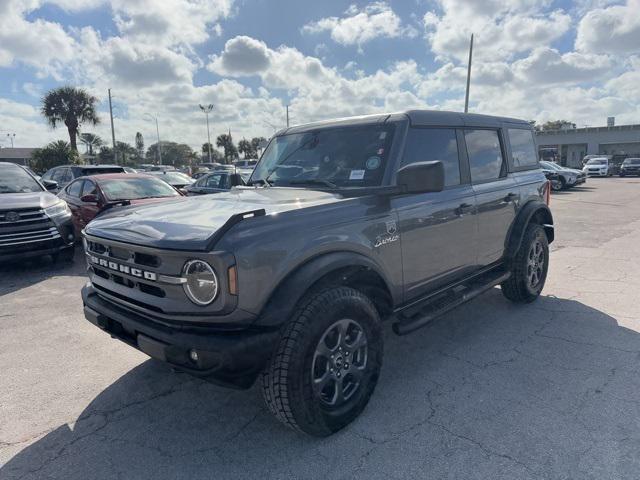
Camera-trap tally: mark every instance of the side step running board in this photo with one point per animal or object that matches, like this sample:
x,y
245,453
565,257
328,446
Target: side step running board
x,y
449,300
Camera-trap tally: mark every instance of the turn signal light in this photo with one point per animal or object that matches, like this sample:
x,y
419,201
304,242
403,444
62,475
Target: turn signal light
x,y
233,280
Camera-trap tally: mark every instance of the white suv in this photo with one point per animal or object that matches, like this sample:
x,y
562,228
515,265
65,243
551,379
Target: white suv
x,y
599,167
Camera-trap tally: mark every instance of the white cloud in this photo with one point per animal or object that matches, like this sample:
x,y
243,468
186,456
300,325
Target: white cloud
x,y
502,29
547,66
359,26
241,56
41,44
614,29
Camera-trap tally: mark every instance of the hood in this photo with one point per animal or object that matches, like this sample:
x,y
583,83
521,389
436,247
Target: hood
x,y
189,223
16,201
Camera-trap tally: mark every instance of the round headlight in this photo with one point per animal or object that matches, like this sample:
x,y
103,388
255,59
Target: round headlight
x,y
201,284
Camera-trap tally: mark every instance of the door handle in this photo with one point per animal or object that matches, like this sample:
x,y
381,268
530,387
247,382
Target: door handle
x,y
464,208
510,197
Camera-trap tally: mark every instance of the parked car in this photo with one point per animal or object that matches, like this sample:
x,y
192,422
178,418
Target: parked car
x,y
130,170
346,223
630,166
64,174
33,221
568,177
161,168
200,173
88,197
598,167
174,178
214,182
552,176
247,163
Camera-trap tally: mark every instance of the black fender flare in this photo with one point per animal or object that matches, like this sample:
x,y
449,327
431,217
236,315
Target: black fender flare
x,y
533,210
286,295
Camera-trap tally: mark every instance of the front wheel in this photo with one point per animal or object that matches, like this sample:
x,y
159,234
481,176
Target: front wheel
x,y
556,185
327,363
529,267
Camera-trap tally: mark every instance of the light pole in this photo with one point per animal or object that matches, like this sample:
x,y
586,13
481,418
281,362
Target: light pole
x,y
11,136
207,109
155,117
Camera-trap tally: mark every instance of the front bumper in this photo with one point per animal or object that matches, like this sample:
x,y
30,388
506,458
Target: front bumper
x,y
63,239
231,358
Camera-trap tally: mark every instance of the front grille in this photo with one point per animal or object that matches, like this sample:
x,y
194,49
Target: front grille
x,y
123,253
24,227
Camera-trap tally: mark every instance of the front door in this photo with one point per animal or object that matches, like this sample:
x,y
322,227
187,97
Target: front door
x,y
437,230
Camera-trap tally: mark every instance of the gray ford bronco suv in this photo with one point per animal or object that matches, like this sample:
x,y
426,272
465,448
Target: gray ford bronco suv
x,y
344,224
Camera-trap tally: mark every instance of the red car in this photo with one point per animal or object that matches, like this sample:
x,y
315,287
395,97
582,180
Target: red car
x,y
89,196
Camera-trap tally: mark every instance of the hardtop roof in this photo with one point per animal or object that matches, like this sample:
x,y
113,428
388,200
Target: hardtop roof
x,y
416,118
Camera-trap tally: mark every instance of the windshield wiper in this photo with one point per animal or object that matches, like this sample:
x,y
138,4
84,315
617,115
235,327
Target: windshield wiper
x,y
314,181
263,181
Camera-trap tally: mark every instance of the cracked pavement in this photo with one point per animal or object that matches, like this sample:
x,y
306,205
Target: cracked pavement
x,y
491,390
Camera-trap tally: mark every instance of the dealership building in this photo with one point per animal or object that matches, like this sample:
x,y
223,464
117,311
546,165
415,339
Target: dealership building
x,y
568,146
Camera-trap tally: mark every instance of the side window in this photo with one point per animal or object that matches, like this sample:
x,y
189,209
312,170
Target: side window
x,y
48,175
523,147
57,174
213,181
65,175
89,188
426,144
75,188
485,155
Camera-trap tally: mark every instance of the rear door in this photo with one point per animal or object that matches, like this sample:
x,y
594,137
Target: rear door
x,y
497,193
438,229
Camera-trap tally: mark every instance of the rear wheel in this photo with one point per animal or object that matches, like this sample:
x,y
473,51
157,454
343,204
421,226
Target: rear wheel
x,y
556,185
529,268
327,363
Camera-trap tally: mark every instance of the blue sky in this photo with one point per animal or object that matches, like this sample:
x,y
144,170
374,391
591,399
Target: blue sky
x,y
534,59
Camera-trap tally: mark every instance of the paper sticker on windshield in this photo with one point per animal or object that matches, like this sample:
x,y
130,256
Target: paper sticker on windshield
x,y
383,135
356,175
373,163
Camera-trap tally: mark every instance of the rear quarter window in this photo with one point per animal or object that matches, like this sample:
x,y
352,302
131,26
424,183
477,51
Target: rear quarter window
x,y
523,147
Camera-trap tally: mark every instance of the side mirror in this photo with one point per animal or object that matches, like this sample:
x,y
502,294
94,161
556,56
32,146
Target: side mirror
x,y
421,177
50,184
236,180
90,198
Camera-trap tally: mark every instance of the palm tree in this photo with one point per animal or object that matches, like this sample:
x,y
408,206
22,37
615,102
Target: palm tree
x,y
71,106
90,140
226,142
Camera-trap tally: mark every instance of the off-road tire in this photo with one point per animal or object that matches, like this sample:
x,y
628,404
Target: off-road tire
x,y
287,380
517,288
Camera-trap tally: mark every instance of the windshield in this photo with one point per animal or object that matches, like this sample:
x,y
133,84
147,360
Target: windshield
x,y
14,179
132,188
551,165
336,157
597,161
632,161
176,178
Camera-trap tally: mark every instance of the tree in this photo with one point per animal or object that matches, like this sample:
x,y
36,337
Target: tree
x,y
556,125
246,148
139,146
91,141
106,155
54,154
176,154
225,142
124,151
216,156
71,106
256,143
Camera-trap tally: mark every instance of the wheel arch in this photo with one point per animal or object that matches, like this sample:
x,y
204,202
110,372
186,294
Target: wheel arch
x,y
333,268
534,211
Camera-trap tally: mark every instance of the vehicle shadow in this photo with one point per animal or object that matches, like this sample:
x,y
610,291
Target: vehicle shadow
x,y
491,390
23,273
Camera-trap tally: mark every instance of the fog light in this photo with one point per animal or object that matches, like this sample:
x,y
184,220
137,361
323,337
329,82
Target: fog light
x,y
193,355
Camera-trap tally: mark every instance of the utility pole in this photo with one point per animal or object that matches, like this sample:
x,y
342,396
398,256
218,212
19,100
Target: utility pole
x,y
287,116
466,97
159,145
113,132
206,111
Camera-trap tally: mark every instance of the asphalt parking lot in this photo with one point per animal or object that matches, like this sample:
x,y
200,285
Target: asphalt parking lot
x,y
490,391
